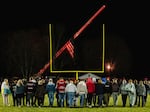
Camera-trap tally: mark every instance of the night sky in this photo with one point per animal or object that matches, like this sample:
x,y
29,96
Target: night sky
x,y
127,23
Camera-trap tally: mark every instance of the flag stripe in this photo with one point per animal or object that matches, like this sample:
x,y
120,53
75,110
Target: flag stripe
x,y
70,48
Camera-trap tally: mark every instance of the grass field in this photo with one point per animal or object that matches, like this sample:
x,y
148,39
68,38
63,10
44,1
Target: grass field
x,y
119,108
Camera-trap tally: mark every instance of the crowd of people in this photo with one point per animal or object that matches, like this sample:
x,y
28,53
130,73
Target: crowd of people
x,y
89,92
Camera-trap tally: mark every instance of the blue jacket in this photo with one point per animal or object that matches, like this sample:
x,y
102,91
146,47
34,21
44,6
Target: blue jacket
x,y
50,87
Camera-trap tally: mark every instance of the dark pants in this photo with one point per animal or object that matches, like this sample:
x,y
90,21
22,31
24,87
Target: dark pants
x,y
67,104
29,99
57,98
100,99
145,97
14,99
61,99
140,97
40,101
124,99
106,98
89,98
94,99
20,99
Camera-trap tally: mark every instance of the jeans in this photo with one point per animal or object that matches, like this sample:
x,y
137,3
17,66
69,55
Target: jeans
x,y
71,96
141,97
89,98
82,98
51,98
29,99
115,98
61,97
100,99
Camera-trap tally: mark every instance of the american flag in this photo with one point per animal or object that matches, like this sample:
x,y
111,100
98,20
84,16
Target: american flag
x,y
70,48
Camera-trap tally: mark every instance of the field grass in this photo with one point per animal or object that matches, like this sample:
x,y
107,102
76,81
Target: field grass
x,y
119,108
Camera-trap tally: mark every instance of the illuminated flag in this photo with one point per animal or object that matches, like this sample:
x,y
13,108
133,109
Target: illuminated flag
x,y
70,48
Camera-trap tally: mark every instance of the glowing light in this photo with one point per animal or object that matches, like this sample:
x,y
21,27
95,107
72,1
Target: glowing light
x,y
110,66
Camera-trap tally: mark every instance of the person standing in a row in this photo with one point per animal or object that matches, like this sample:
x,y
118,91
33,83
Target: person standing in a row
x,y
130,87
5,91
115,91
99,90
123,92
91,90
60,86
13,91
50,89
141,91
107,91
82,91
71,91
30,92
20,90
40,92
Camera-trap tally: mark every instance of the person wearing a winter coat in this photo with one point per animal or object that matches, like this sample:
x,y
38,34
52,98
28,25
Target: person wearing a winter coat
x,y
130,87
20,90
82,91
107,92
91,90
123,92
141,91
71,91
60,87
40,93
50,89
99,91
115,91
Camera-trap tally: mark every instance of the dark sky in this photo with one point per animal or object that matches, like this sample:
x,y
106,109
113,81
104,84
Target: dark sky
x,y
127,19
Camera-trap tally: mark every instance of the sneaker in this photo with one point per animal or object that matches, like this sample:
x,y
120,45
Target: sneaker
x,y
28,105
90,106
8,105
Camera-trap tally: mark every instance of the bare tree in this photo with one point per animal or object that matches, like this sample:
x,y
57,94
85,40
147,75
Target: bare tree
x,y
26,51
